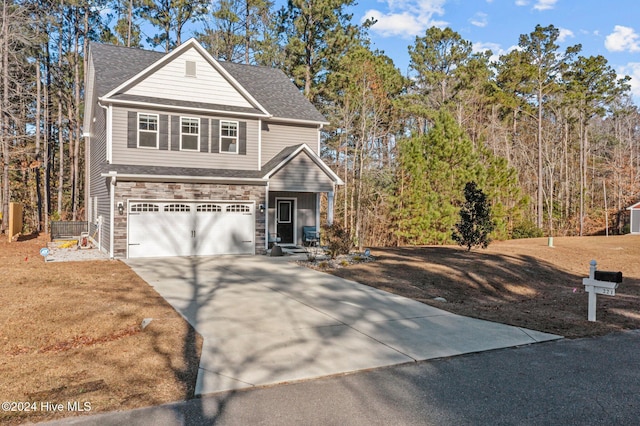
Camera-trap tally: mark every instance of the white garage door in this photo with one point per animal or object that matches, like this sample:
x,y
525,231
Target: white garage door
x,y
175,228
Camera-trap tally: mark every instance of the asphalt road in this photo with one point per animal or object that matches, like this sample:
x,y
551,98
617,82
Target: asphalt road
x,y
588,381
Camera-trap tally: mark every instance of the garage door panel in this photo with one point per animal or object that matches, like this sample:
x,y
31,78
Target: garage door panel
x,y
190,228
159,234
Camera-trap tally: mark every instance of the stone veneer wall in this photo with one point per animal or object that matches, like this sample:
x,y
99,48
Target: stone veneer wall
x,y
185,191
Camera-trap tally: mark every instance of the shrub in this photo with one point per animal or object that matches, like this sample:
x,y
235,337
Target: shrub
x,y
338,239
526,229
475,222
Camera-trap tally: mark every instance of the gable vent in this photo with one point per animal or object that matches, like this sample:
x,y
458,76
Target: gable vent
x,y
190,68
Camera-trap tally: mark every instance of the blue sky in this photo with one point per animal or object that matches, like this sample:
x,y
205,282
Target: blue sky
x,y
609,28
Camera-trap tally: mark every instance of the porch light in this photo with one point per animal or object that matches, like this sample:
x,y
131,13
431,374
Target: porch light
x,y
120,208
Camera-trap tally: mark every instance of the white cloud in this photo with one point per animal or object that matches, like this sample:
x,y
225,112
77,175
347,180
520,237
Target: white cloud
x,y
406,18
632,69
622,39
496,49
565,34
539,5
545,4
479,20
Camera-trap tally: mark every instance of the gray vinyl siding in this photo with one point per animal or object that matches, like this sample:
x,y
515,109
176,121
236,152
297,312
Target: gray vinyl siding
x,y
305,210
276,137
209,86
173,157
635,221
99,186
301,174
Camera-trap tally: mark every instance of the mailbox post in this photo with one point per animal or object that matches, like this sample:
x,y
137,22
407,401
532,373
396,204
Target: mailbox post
x,y
600,282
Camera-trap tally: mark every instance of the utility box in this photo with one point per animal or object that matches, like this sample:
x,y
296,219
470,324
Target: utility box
x,y
15,220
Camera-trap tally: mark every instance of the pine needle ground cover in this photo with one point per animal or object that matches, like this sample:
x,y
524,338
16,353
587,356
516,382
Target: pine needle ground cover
x,y
70,333
519,282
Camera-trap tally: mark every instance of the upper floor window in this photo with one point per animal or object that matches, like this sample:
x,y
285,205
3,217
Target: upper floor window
x,y
229,136
148,130
189,133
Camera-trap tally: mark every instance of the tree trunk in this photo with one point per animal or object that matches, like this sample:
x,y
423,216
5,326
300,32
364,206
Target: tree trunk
x,y
4,117
38,136
539,199
60,135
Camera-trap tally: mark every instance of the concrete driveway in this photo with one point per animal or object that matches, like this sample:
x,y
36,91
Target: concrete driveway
x,y
266,320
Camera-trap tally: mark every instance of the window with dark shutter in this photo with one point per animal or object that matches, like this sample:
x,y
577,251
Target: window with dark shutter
x,y
229,137
189,134
147,130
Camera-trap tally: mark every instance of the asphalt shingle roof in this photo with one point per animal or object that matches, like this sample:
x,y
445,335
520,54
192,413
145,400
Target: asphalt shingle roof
x,y
269,86
130,169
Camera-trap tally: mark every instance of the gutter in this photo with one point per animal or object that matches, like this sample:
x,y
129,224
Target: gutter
x,y
176,178
181,108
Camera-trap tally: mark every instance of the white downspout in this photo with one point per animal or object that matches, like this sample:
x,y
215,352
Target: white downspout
x,y
266,218
112,196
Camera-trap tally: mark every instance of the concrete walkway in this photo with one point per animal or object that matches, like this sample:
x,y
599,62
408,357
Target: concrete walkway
x,y
267,320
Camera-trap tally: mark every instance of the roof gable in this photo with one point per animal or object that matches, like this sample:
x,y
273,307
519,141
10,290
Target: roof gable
x,y
208,85
119,69
288,154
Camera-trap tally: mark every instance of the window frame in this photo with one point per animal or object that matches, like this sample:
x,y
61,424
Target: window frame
x,y
236,137
139,130
197,135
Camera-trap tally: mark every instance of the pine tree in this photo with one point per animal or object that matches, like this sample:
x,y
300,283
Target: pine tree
x,y
475,222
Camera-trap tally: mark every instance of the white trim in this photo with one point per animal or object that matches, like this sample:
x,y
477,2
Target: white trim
x,y
266,218
182,117
112,187
172,178
294,216
634,206
313,156
109,134
298,121
157,132
151,105
259,143
330,206
318,211
192,42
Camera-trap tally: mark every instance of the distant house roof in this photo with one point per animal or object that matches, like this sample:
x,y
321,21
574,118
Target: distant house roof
x,y
114,65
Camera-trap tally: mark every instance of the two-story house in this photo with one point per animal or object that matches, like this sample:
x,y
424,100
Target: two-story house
x,y
187,155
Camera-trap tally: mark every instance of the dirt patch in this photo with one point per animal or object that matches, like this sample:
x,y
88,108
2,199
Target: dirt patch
x,y
70,333
521,282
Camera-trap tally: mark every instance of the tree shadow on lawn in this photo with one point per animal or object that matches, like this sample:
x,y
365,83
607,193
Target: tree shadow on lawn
x,y
518,290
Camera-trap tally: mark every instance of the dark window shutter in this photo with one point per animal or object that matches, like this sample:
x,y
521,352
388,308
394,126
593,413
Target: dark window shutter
x,y
242,138
215,136
175,133
132,130
204,135
164,130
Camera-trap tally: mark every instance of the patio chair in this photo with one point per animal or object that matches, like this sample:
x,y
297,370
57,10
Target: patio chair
x,y
310,236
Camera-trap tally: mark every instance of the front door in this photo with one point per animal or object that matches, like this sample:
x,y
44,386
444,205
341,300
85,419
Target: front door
x,y
285,220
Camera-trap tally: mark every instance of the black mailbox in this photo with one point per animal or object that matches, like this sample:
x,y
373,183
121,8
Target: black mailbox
x,y
609,276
